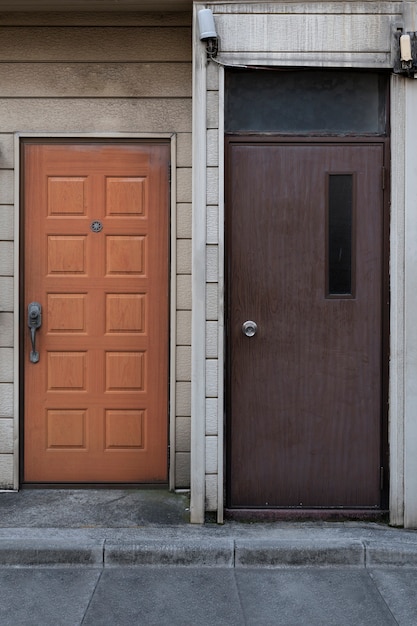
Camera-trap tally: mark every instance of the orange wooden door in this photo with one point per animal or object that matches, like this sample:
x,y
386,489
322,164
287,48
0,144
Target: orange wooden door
x,y
96,259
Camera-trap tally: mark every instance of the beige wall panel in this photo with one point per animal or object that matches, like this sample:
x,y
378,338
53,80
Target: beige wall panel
x,y
212,264
6,222
211,416
212,76
184,256
182,434
6,436
113,18
95,44
294,33
6,471
101,80
89,115
212,109
6,150
211,492
182,469
6,257
212,224
6,330
212,298
183,363
213,148
212,185
183,399
184,220
6,294
184,158
184,182
184,292
183,328
212,340
96,5
6,400
312,7
212,378
6,365
211,455
6,186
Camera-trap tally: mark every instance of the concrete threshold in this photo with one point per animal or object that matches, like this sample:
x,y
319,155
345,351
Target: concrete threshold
x,y
131,527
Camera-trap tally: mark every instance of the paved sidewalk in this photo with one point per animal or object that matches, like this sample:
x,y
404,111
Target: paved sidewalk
x,y
173,596
108,528
124,557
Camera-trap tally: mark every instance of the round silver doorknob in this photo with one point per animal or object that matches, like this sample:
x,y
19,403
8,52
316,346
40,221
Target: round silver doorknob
x,y
249,328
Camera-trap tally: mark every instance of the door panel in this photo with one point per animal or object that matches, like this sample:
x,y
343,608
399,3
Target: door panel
x,y
305,390
96,258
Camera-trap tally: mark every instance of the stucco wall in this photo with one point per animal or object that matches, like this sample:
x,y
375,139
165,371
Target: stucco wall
x,y
88,73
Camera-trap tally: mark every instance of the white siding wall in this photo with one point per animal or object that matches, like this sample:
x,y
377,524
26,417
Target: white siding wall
x,y
95,73
315,34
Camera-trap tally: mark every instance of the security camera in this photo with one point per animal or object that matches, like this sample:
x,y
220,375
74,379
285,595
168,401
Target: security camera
x,y
206,25
207,30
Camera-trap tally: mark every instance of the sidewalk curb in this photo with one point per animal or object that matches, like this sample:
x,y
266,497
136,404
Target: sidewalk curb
x,y
267,553
390,554
219,553
26,553
175,552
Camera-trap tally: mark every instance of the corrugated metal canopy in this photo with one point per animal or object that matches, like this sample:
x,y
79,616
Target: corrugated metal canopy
x,y
95,5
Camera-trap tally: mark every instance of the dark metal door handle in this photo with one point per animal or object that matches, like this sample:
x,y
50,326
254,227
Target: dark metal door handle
x,y
34,322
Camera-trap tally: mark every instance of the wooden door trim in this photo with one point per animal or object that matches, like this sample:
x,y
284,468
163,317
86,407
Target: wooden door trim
x,y
265,139
21,139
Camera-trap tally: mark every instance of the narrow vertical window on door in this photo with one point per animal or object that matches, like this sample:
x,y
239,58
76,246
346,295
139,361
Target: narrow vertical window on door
x,y
340,265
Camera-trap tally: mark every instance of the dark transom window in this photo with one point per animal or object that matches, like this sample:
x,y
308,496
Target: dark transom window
x,y
306,101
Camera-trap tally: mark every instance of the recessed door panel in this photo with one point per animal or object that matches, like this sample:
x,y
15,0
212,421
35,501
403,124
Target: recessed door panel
x,y
96,260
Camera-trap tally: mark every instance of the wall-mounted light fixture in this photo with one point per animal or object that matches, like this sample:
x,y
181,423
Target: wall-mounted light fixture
x,y
406,61
207,31
405,51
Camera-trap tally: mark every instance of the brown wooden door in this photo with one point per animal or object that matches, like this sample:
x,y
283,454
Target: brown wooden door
x,y
304,408
96,259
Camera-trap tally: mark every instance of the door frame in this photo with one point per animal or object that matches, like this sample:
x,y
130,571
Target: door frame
x,y
19,309
286,513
